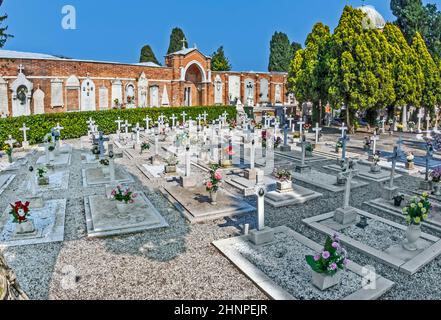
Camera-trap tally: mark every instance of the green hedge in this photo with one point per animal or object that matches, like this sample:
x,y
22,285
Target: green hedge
x,y
75,125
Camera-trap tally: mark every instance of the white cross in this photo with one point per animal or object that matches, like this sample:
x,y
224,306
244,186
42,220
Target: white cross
x,y
374,139
11,141
343,129
126,126
119,121
58,128
173,118
199,118
205,114
24,129
284,109
20,68
420,116
183,114
317,130
301,123
147,122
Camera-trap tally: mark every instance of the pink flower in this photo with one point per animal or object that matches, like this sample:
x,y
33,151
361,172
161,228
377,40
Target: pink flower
x,y
345,262
209,185
218,175
335,245
317,257
113,193
333,266
132,201
326,255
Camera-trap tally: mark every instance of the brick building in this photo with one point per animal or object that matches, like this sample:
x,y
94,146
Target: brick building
x,y
37,83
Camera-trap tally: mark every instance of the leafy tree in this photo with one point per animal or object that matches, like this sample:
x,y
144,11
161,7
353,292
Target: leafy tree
x,y
147,55
219,62
295,47
281,53
176,40
413,16
431,94
3,30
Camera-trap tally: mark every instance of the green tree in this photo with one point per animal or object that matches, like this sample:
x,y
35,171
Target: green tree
x,y
219,62
432,82
281,53
176,40
307,72
3,29
147,55
295,47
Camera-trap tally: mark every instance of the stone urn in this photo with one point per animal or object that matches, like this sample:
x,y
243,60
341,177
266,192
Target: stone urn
x,y
10,159
170,169
123,209
24,228
413,233
410,165
436,188
375,168
284,186
213,198
43,181
324,282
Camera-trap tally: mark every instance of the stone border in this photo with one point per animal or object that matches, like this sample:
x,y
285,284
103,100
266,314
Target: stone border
x,y
8,182
91,233
54,164
410,267
362,175
293,200
88,185
354,185
396,212
274,291
290,156
57,234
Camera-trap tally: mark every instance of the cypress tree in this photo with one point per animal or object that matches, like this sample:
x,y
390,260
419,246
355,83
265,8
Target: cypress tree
x,y
176,37
147,55
3,30
281,53
219,62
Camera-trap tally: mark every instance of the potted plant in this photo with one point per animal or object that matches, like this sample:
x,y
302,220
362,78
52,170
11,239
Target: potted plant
x,y
416,212
338,147
436,178
8,150
284,180
20,213
213,183
145,146
172,162
124,198
327,264
43,180
409,163
375,168
51,150
398,199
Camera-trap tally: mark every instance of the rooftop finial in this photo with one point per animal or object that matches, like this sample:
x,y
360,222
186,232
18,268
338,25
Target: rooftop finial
x,y
184,41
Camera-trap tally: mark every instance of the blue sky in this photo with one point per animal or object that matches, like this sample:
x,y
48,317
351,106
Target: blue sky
x,y
114,30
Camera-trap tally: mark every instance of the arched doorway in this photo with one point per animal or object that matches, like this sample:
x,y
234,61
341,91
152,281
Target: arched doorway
x,y
194,79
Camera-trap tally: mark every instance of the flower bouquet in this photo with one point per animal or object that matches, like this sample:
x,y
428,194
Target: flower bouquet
x,y
284,183
8,151
43,180
436,174
307,127
145,146
20,213
327,264
213,183
416,212
277,142
172,162
124,197
338,146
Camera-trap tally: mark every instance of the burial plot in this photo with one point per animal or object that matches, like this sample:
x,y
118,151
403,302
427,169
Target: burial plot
x,y
365,172
388,207
47,221
325,181
381,239
279,269
58,180
194,203
296,195
5,181
103,218
296,156
98,176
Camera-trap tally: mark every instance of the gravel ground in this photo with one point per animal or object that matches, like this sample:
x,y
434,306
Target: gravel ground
x,y
178,262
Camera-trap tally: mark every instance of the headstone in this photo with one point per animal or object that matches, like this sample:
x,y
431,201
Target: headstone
x,y
302,168
173,119
10,141
188,181
251,173
390,190
101,139
419,116
119,121
147,123
347,214
285,147
343,129
25,138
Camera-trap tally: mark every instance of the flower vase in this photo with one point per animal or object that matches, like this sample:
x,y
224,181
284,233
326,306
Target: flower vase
x,y
123,208
213,198
26,227
436,188
397,202
413,233
375,168
410,165
324,282
10,160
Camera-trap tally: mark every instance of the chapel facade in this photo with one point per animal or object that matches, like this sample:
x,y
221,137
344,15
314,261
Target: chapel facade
x,y
37,84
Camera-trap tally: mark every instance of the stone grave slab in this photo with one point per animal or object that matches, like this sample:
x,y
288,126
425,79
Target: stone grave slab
x,y
124,145
365,174
48,221
61,160
418,160
58,180
89,158
247,186
5,181
299,195
158,171
433,222
279,269
95,176
102,217
381,239
16,165
195,204
297,156
325,181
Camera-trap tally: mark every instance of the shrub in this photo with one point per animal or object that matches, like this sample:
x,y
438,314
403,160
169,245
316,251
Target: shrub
x,y
75,126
